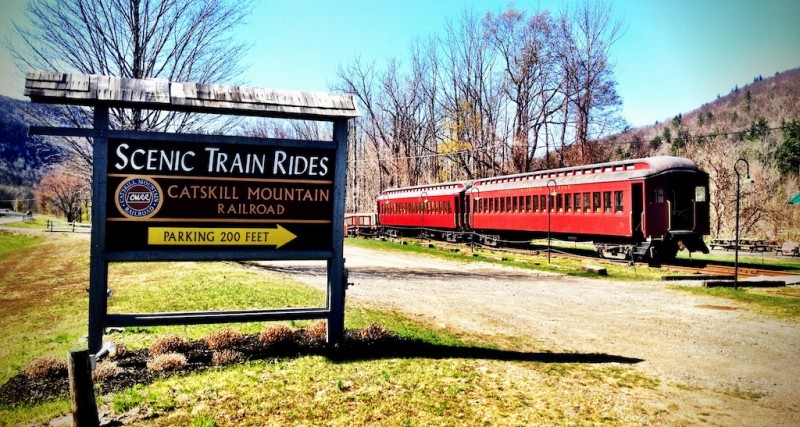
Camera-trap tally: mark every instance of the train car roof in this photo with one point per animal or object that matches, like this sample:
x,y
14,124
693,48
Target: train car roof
x,y
623,170
444,189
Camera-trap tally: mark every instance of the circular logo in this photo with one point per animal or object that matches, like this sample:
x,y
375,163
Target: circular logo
x,y
138,198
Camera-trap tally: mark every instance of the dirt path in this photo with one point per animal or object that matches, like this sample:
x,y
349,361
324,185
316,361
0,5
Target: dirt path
x,y
737,366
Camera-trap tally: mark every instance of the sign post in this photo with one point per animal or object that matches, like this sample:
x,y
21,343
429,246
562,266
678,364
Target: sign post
x,y
189,197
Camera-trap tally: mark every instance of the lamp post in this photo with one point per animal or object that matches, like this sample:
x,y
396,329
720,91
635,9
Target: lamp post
x,y
738,196
550,200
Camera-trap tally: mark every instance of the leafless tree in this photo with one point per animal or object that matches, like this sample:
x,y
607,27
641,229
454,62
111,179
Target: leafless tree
x,y
177,40
588,33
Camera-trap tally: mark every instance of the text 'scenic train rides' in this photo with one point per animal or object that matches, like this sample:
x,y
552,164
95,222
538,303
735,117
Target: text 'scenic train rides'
x,y
647,208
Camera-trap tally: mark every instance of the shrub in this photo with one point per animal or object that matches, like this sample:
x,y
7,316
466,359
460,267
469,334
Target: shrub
x,y
373,333
46,367
168,362
106,369
224,339
226,357
317,331
118,351
168,344
276,334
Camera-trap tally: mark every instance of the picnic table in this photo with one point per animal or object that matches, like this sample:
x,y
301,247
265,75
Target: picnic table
x,y
745,244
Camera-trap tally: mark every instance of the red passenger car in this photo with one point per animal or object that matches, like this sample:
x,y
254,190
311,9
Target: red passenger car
x,y
658,204
652,207
423,209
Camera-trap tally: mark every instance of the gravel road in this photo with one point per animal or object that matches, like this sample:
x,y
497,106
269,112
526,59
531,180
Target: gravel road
x,y
706,350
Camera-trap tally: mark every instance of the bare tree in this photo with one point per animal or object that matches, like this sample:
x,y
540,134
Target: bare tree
x,y
177,40
588,33
62,191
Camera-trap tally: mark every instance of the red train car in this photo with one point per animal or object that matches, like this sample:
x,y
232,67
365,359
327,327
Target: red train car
x,y
360,224
652,206
424,209
658,204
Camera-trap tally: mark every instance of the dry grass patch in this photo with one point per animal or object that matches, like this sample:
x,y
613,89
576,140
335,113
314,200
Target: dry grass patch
x,y
46,367
169,362
224,339
169,344
276,335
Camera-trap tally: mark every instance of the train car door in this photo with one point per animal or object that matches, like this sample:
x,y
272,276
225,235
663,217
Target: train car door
x,y
637,209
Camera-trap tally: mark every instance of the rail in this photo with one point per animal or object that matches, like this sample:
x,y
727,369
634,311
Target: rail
x,y
68,227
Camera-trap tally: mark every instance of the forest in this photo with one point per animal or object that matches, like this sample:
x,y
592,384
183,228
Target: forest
x,y
486,95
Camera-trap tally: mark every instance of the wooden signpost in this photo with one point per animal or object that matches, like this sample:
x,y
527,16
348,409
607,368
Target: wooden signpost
x,y
189,197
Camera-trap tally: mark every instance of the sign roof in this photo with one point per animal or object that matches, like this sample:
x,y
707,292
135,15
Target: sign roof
x,y
159,94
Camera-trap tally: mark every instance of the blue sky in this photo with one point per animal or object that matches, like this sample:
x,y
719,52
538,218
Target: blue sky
x,y
673,56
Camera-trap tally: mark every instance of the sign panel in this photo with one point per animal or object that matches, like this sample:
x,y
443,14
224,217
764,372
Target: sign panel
x,y
166,196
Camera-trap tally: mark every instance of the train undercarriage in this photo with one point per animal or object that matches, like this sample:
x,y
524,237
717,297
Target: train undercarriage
x,y
653,250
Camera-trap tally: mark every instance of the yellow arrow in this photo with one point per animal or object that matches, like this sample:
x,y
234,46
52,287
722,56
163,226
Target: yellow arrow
x,y
199,236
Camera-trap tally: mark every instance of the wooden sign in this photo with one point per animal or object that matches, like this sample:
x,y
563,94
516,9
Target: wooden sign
x,y
169,196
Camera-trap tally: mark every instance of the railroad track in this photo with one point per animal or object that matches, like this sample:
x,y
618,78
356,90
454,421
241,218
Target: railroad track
x,y
706,270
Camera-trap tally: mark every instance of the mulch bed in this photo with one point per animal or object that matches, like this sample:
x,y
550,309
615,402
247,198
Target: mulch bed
x,y
21,389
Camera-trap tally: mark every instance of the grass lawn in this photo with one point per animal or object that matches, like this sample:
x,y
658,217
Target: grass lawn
x,y
464,380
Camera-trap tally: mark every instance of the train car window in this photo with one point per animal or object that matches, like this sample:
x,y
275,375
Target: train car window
x,y
508,204
587,207
527,203
576,199
596,201
535,201
658,195
502,204
606,201
560,202
515,204
568,202
700,194
618,201
550,202
542,203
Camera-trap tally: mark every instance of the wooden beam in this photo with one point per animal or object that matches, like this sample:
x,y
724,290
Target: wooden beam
x,y
159,94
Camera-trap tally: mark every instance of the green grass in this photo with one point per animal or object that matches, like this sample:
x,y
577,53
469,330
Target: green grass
x,y
776,302
747,259
569,267
38,222
13,242
44,313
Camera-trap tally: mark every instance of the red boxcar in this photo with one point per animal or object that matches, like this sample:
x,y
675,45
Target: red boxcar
x,y
659,203
432,208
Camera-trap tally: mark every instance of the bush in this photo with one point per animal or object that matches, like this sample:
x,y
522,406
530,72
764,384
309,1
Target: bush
x,y
224,339
106,369
276,334
168,362
168,344
46,367
317,331
118,351
374,333
226,357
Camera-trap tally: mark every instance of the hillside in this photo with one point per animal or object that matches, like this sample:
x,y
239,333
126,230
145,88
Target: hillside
x,y
756,109
758,122
22,157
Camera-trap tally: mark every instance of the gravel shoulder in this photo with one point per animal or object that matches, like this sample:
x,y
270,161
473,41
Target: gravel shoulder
x,y
712,356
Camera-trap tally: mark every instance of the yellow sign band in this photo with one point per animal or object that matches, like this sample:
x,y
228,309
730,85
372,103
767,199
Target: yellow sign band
x,y
196,236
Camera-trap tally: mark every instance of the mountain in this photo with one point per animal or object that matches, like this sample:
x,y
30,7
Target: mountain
x,y
756,110
23,158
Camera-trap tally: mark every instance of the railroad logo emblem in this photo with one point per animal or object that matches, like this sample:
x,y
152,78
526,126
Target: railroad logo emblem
x,y
138,198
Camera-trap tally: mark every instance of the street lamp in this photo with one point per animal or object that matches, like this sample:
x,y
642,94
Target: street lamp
x,y
747,180
550,199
